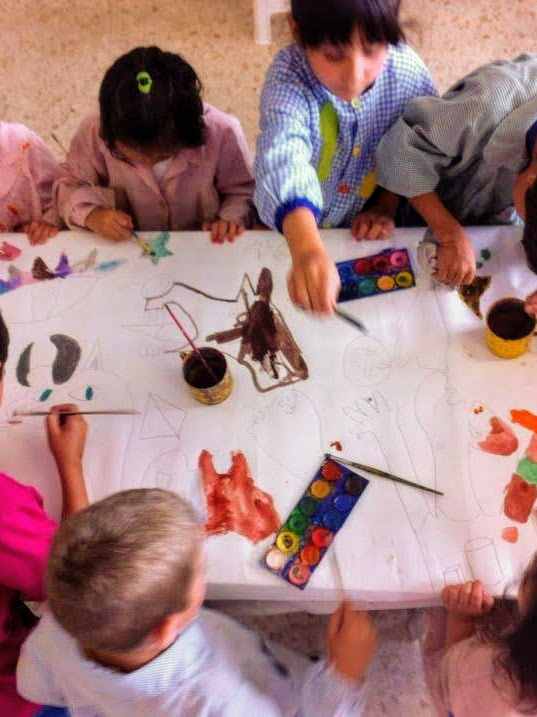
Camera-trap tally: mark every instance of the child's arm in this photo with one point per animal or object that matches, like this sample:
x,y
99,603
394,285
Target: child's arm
x,y
234,181
456,259
313,281
67,438
465,603
339,687
81,189
45,170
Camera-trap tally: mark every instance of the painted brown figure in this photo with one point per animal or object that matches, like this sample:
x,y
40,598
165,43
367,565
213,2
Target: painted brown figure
x,y
265,338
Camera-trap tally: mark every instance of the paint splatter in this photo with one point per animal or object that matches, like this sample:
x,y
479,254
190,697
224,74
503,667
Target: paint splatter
x,y
8,252
234,502
524,418
519,499
159,248
510,534
337,445
46,394
501,441
108,265
527,469
472,293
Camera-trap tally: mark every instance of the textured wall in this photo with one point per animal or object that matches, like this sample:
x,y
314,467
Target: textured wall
x,y
53,53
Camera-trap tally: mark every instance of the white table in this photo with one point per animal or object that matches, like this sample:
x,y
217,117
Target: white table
x,y
401,399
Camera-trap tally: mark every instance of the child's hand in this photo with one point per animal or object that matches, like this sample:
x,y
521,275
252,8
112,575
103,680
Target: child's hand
x,y
222,230
352,641
456,260
467,600
372,224
313,282
531,304
66,436
110,223
38,232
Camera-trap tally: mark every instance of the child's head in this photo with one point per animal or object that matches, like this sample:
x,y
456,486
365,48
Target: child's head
x,y
151,106
4,346
126,568
346,41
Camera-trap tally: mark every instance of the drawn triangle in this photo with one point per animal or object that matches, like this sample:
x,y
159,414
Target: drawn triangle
x,y
161,418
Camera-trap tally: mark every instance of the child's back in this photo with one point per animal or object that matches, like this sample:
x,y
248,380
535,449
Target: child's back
x,y
128,637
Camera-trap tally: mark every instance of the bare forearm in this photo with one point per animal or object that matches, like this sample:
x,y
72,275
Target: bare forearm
x,y
438,218
458,628
301,231
74,493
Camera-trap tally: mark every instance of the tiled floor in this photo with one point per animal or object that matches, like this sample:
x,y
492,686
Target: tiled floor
x,y
53,54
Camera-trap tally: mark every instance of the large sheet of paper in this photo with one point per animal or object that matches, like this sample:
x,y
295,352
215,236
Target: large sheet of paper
x,y
414,397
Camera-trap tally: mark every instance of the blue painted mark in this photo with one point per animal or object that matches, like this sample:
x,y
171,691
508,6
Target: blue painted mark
x,y
46,394
109,265
89,393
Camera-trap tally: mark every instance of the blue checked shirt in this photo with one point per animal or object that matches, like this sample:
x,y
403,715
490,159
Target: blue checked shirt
x,y
316,150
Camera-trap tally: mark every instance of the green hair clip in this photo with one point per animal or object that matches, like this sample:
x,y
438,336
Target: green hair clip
x,y
144,82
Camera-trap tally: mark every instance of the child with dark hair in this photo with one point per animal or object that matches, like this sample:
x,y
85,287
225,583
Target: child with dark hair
x,y
127,635
468,157
483,667
26,533
27,173
327,101
157,157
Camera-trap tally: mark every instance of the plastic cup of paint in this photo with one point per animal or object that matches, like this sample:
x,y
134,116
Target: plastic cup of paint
x,y
381,263
353,486
287,542
344,502
207,387
509,329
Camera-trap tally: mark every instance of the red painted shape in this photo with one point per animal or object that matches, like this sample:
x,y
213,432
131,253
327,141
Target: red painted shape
x,y
501,441
524,418
510,534
337,445
234,502
519,499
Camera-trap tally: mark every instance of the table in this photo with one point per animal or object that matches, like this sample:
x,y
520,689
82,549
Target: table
x,y
414,397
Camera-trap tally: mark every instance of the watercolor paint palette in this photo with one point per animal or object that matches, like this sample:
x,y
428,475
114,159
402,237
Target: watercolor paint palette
x,y
382,273
313,523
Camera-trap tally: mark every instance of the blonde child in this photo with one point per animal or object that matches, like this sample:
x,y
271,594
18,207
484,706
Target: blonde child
x,y
327,101
475,669
27,173
127,636
26,533
156,157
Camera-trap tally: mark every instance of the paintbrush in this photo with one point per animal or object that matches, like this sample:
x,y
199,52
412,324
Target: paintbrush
x,y
382,474
351,320
113,412
337,570
143,244
192,344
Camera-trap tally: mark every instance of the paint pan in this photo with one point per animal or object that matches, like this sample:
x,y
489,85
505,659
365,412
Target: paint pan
x,y
509,330
313,523
207,387
382,273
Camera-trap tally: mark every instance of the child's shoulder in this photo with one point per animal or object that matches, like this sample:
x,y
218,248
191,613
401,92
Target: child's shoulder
x,y
403,60
16,137
290,65
16,495
500,75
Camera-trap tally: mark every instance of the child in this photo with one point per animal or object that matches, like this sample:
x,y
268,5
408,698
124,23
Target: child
x,y
327,101
483,671
25,536
468,157
127,635
157,157
27,173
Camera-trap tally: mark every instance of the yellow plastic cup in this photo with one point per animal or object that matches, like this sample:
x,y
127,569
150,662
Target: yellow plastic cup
x,y
509,329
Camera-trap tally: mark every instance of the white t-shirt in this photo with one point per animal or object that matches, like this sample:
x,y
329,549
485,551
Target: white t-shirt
x,y
215,668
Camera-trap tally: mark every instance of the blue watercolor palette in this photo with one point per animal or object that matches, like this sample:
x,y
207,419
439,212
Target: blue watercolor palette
x,y
311,526
382,273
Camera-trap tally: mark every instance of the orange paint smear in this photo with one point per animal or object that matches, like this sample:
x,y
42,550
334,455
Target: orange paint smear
x,y
524,418
519,499
234,502
510,535
501,441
